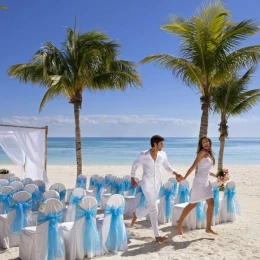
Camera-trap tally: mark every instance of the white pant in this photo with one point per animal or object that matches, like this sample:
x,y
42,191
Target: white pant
x,y
151,207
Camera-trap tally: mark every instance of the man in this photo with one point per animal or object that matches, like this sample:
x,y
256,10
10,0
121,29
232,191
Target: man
x,y
152,161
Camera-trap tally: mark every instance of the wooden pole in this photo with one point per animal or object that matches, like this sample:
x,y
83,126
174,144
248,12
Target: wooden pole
x,y
46,141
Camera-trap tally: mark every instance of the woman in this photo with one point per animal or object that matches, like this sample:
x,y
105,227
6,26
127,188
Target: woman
x,y
201,188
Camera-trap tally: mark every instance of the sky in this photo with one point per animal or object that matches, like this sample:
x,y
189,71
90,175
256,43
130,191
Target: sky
x,y
164,105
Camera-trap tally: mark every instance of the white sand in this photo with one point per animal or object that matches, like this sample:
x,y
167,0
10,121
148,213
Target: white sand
x,y
238,240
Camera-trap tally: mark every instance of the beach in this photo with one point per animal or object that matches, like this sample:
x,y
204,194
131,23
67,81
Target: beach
x,y
238,240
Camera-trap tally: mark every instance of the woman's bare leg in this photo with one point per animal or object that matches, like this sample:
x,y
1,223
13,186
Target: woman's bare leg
x,y
184,214
210,210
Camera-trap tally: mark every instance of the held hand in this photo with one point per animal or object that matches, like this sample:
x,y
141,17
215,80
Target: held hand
x,y
133,182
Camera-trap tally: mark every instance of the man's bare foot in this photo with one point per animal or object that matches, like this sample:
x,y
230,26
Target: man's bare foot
x,y
161,240
179,228
210,231
133,220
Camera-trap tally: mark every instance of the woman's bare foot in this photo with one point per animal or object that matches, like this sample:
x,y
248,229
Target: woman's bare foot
x,y
210,231
133,220
161,240
179,228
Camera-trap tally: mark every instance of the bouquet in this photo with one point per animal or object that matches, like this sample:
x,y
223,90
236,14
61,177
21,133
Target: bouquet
x,y
222,176
4,171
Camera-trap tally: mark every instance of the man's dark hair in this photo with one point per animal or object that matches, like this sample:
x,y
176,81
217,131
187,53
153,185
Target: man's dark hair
x,y
156,139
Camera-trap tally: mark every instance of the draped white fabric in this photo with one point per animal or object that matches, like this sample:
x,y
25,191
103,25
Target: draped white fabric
x,y
31,142
14,151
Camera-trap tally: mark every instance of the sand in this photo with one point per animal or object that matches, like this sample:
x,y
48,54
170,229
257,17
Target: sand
x,y
238,240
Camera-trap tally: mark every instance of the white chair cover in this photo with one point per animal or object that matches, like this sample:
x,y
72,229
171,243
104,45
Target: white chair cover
x,y
61,189
5,193
26,181
34,191
34,240
51,194
83,229
166,202
230,206
4,182
41,185
17,185
7,237
113,231
81,181
14,178
75,197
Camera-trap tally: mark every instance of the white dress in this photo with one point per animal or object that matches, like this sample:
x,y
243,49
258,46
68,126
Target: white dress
x,y
201,187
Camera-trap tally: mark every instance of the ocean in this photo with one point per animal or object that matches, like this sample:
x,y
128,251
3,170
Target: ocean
x,y
123,151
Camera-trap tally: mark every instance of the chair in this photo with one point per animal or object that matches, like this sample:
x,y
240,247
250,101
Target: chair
x,y
41,185
166,202
175,185
127,182
109,183
81,181
4,182
183,192
45,241
5,195
119,186
92,181
230,205
61,189
18,217
14,178
98,189
75,198
51,194
34,191
113,231
26,181
83,238
17,185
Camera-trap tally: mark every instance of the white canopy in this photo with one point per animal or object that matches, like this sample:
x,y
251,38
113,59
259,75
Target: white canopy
x,y
27,147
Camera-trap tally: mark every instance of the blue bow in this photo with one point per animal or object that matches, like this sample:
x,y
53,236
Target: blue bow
x,y
117,234
183,192
55,248
62,194
75,199
20,218
127,184
36,196
99,185
111,184
232,203
174,188
81,183
216,200
132,191
5,199
120,186
200,214
92,182
142,201
168,193
91,238
42,188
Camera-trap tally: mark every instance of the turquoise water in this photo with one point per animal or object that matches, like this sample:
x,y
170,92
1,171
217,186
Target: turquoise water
x,y
123,151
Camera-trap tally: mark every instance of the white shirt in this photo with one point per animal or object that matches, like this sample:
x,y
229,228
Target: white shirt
x,y
151,169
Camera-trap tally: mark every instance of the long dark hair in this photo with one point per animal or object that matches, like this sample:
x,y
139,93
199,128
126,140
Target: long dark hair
x,y
209,151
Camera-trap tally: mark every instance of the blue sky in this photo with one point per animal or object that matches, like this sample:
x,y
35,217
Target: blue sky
x,y
163,106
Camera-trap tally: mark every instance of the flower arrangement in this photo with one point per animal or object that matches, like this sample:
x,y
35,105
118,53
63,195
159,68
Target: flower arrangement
x,y
4,171
222,176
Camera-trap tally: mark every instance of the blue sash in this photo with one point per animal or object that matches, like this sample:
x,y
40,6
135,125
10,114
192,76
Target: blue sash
x,y
42,188
168,193
91,237
111,184
216,200
20,218
200,213
127,184
81,183
99,185
142,201
55,248
119,187
5,199
232,202
62,194
183,192
116,237
75,199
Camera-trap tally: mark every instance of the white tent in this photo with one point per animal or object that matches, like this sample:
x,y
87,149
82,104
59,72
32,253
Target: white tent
x,y
27,147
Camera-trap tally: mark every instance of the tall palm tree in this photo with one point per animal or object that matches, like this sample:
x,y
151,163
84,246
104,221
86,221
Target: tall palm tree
x,y
209,51
85,61
232,99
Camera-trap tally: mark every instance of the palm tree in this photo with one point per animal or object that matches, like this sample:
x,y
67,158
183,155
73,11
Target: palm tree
x,y
85,61
209,51
232,99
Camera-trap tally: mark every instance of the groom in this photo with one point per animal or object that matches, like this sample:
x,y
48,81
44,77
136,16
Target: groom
x,y
152,161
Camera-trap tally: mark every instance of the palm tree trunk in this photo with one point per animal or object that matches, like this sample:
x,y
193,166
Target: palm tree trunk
x,y
204,121
78,137
222,140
